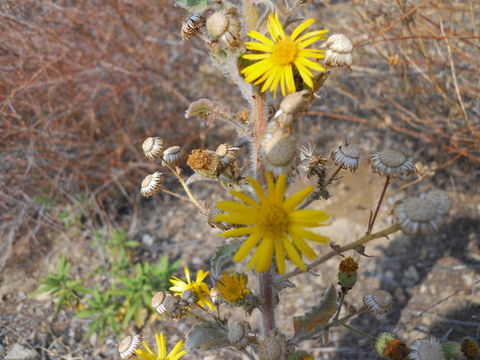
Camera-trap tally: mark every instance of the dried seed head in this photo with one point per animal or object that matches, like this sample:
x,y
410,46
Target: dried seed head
x,y
390,347
273,347
175,307
443,202
238,334
153,147
279,153
338,51
227,153
191,26
157,302
378,302
206,163
348,265
470,349
216,296
427,349
151,184
128,345
173,155
391,163
225,25
421,215
346,155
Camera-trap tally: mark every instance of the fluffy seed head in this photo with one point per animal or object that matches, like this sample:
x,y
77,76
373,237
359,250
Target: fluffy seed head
x,y
217,23
378,302
174,155
153,147
128,345
391,163
279,153
338,51
421,215
216,296
191,26
427,349
346,155
151,184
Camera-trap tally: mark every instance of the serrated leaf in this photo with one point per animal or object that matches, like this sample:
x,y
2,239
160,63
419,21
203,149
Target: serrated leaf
x,y
317,316
204,337
194,6
208,110
223,255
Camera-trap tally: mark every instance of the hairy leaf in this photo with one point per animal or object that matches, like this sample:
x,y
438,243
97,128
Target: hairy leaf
x,y
208,110
223,255
317,316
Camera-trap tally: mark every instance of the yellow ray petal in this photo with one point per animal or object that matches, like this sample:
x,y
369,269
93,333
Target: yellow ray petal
x,y
309,215
311,64
245,198
256,56
297,198
293,254
305,74
247,246
235,207
258,189
260,37
300,28
290,80
298,231
304,248
236,219
280,187
265,251
246,230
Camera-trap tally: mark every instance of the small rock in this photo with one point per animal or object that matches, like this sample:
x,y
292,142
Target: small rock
x,y
20,352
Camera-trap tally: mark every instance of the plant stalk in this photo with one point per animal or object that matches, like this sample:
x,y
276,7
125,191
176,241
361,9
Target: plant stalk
x,y
363,240
372,220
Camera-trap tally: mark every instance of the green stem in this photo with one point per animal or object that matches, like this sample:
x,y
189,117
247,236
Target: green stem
x,y
358,332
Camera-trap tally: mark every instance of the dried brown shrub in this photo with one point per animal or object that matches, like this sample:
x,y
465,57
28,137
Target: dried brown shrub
x,y
81,85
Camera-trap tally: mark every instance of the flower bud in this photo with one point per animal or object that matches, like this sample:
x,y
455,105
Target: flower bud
x,y
390,347
347,273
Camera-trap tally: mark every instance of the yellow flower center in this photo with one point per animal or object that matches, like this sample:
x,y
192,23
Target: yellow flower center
x,y
284,52
275,220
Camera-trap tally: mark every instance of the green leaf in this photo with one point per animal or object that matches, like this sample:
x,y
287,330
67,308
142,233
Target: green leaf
x,y
317,316
223,255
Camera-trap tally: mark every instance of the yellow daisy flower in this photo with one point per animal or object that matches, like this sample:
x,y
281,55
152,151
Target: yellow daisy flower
x,y
272,225
233,287
148,354
198,287
278,54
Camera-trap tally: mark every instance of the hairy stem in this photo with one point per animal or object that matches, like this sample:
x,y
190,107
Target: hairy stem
x,y
372,220
191,197
363,240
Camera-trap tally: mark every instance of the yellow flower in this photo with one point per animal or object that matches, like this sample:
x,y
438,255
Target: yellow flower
x,y
272,225
279,53
198,287
148,354
233,287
